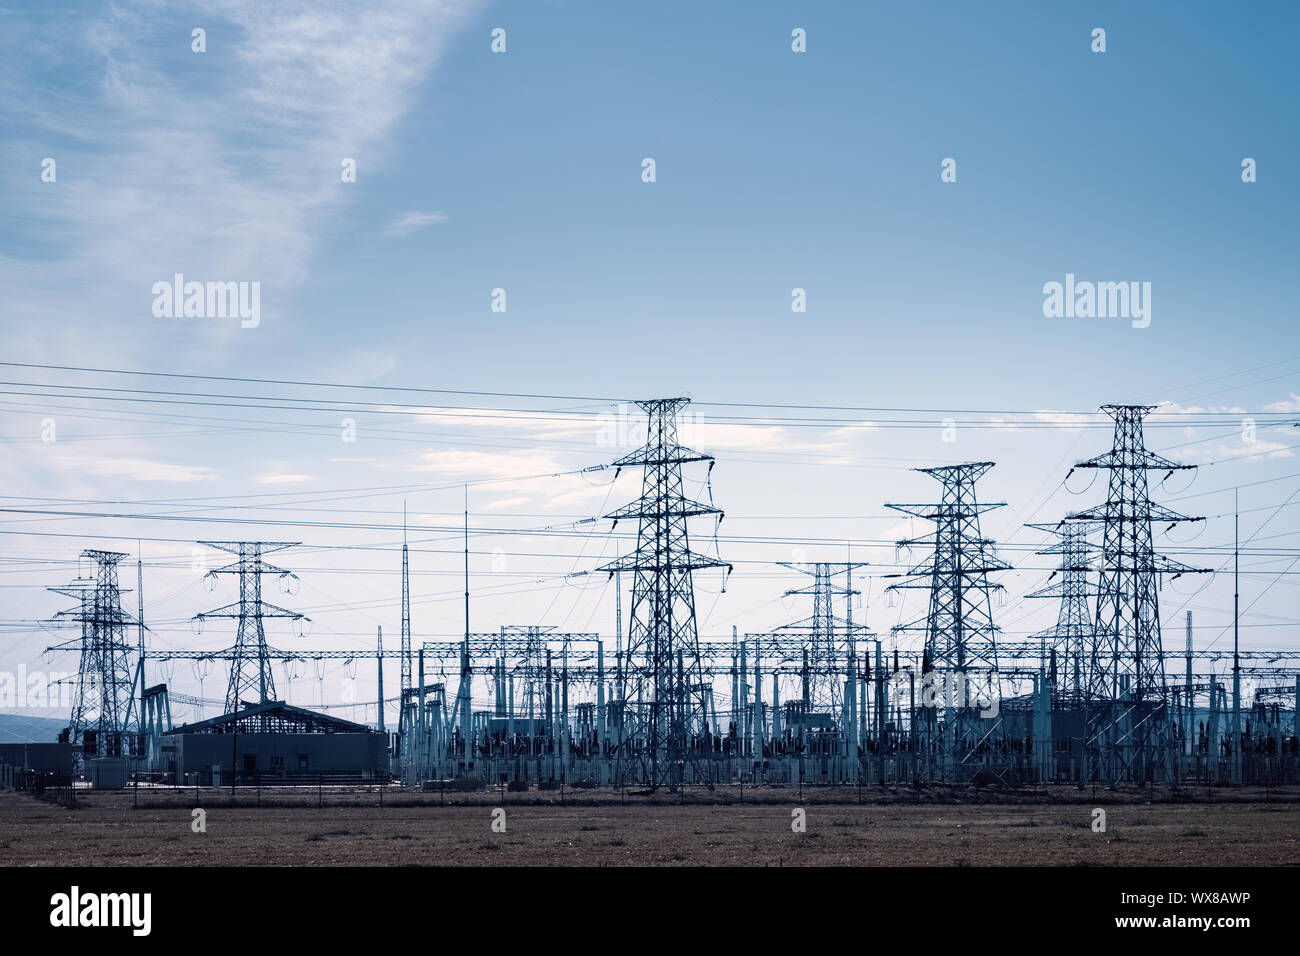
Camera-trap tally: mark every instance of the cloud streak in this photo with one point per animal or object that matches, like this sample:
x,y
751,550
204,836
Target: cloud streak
x,y
223,165
412,221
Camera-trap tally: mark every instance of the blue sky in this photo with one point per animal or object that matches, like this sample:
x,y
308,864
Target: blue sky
x,y
522,171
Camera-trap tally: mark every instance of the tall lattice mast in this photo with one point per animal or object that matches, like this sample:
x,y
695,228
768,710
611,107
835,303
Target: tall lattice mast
x,y
406,609
250,668
665,701
102,702
825,660
958,627
404,697
1128,657
961,639
1070,640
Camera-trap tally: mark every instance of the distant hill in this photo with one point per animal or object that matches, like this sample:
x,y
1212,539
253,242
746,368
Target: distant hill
x,y
17,729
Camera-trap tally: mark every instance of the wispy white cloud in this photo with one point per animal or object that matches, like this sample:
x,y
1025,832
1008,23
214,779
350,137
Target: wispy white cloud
x,y
1175,408
1223,451
280,478
505,503
621,429
1290,404
1067,421
135,469
1201,448
222,166
467,462
412,221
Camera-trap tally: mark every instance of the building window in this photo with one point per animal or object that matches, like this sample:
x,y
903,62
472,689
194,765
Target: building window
x,y
277,763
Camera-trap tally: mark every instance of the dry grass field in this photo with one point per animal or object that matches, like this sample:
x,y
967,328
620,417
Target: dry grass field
x,y
959,828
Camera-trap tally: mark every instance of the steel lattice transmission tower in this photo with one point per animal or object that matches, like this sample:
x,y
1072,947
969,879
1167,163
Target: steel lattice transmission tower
x,y
1069,642
250,667
824,667
960,636
1127,664
959,630
664,705
102,704
1128,657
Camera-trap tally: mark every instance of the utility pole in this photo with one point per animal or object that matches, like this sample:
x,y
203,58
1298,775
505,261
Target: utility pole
x,y
379,662
403,730
1190,695
466,677
1236,638
139,617
135,705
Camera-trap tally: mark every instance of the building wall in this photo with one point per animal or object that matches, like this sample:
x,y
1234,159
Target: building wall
x,y
48,758
272,755
108,773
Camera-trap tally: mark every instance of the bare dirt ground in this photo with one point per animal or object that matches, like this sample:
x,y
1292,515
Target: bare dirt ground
x,y
954,828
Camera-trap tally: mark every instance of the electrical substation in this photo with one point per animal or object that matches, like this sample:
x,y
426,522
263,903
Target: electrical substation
x,y
1106,696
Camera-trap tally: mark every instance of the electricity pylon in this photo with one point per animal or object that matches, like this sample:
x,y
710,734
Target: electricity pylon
x,y
1069,642
663,708
824,678
960,636
1128,722
102,703
250,668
